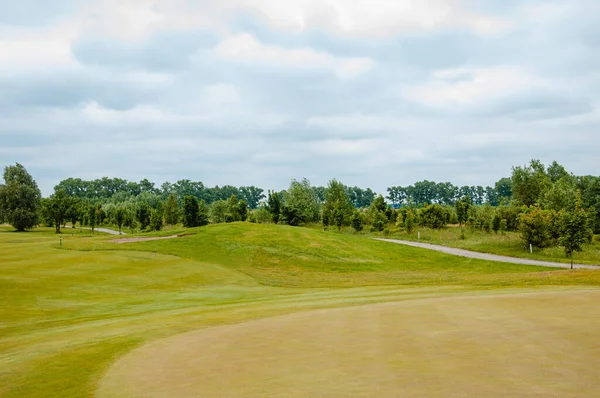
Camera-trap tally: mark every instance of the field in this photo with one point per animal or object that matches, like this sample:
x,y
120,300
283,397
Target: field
x,y
70,314
507,244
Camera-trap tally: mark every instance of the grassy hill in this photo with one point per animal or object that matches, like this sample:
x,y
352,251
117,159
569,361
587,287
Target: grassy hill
x,y
68,312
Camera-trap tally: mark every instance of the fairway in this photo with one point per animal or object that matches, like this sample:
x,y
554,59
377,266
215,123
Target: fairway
x,y
530,344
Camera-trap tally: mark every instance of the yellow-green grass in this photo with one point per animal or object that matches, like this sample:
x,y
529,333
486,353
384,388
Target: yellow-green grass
x,y
67,313
535,344
507,244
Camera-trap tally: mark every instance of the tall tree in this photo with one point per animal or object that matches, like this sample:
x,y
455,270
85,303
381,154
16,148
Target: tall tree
x,y
120,216
274,205
58,207
574,230
20,198
529,183
190,211
302,203
337,208
171,210
462,209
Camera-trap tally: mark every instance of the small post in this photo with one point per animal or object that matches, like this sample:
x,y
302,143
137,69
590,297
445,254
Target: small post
x,y
530,248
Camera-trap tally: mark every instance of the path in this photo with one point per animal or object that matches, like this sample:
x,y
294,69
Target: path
x,y
105,230
486,256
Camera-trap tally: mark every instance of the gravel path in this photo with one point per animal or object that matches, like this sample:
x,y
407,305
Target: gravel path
x,y
487,256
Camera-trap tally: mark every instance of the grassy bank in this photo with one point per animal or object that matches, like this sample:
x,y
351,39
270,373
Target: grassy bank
x,y
68,312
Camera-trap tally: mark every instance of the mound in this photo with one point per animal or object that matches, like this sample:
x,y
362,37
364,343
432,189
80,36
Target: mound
x,y
541,344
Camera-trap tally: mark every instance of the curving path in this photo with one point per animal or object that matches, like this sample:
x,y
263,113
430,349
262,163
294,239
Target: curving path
x,y
486,256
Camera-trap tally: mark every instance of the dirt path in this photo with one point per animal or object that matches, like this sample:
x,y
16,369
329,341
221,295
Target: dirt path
x,y
487,256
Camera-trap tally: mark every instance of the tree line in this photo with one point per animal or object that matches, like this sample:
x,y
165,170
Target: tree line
x,y
536,200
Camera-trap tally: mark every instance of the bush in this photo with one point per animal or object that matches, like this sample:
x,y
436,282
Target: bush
x,y
434,216
535,226
357,221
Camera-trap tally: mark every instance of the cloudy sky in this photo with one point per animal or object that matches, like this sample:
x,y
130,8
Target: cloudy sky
x,y
255,92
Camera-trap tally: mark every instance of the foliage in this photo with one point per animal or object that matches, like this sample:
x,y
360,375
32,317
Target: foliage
x,y
190,211
535,226
20,198
409,222
156,219
434,216
574,230
337,209
274,206
462,209
142,215
171,210
357,221
120,216
58,207
380,221
218,211
301,204
530,183
202,214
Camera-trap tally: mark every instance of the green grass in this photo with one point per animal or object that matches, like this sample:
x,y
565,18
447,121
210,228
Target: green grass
x,y
507,244
68,312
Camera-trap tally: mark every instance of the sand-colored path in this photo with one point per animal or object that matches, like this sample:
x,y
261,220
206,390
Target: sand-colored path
x,y
537,344
486,256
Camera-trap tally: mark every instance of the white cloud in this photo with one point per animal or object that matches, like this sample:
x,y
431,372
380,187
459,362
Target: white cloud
x,y
246,48
472,86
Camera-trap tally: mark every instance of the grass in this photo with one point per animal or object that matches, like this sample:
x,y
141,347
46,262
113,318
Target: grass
x,y
66,313
507,244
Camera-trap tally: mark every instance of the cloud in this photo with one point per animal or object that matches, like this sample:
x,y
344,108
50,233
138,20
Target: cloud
x,y
376,93
246,48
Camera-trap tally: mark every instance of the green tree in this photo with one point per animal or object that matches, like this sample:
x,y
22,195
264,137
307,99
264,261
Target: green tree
x,y
243,210
434,216
190,211
496,222
218,211
357,221
302,203
171,210
120,216
337,208
535,226
92,217
142,214
409,221
20,198
574,230
462,209
58,207
202,213
530,183
274,206
156,218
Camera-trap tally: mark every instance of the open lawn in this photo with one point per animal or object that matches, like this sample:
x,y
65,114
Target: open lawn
x,y
68,313
506,244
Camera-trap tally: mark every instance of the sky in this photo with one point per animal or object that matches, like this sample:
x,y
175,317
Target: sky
x,y
373,93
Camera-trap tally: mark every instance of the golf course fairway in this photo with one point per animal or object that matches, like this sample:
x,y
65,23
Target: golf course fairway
x,y
530,344
250,309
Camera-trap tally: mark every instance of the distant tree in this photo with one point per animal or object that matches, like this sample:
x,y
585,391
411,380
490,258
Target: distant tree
x,y
574,230
234,209
462,209
503,188
496,222
252,195
434,216
409,221
302,203
357,221
171,210
535,226
243,210
91,216
156,218
529,183
337,208
20,198
561,195
219,211
555,171
380,220
120,216
58,207
142,214
202,213
274,206
190,211
76,213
